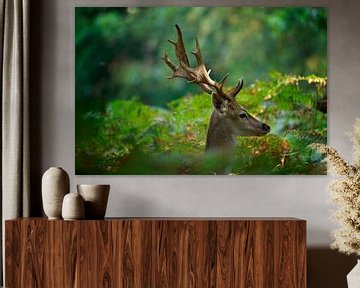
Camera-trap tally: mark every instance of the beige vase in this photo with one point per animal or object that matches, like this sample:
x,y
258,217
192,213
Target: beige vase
x,y
73,207
55,185
96,198
353,278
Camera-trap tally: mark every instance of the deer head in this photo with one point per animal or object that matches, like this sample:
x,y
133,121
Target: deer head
x,y
228,119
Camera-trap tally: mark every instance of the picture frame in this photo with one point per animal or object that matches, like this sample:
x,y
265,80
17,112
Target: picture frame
x,y
131,120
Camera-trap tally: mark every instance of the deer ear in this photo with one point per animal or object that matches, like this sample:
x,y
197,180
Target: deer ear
x,y
219,103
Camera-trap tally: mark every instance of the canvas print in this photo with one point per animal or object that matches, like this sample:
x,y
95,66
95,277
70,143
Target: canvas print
x,y
200,90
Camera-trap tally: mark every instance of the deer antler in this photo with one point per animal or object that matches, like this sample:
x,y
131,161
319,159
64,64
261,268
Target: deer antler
x,y
198,75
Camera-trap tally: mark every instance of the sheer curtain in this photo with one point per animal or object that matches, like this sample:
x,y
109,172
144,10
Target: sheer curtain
x,y
14,25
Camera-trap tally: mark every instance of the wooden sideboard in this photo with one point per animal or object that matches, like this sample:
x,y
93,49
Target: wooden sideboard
x,y
156,252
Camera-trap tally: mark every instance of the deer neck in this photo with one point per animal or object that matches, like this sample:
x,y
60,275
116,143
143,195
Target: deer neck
x,y
219,135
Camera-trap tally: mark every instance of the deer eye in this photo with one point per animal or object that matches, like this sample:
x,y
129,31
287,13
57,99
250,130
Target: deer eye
x,y
243,115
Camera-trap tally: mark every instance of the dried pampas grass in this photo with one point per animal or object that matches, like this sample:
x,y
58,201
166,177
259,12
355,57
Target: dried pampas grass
x,y
345,191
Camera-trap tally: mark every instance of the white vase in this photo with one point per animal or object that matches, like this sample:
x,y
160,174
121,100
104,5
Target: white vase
x,y
353,278
55,185
96,198
73,207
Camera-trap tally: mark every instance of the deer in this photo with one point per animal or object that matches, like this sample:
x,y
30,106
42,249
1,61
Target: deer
x,y
228,119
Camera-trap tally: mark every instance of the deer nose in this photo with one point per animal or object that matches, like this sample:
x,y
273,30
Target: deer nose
x,y
266,127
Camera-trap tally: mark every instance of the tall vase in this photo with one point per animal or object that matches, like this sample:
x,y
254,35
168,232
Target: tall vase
x,y
55,185
353,278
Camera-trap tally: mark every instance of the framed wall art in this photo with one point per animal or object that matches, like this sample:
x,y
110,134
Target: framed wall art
x,y
200,90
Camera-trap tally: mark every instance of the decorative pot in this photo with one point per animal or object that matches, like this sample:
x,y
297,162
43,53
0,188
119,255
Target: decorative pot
x,y
96,198
353,278
55,185
73,207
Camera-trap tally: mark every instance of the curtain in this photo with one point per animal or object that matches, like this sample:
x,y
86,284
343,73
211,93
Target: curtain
x,y
14,25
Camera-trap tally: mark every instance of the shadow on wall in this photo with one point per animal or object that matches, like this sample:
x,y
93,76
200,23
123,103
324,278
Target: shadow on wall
x,y
328,268
37,10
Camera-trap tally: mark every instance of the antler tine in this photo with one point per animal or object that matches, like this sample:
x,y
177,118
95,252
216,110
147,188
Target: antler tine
x,y
222,82
197,53
180,47
177,71
233,92
206,88
169,63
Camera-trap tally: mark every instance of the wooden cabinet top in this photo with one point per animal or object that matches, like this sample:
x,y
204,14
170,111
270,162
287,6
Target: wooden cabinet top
x,y
271,219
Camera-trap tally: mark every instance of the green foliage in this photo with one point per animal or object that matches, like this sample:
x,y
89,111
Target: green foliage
x,y
118,50
130,137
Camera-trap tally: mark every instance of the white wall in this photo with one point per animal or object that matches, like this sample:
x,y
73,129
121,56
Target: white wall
x,y
297,196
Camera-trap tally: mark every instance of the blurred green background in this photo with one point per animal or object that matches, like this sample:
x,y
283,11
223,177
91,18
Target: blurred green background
x,y
130,119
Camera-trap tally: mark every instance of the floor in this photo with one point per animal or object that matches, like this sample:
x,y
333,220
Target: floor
x,y
328,268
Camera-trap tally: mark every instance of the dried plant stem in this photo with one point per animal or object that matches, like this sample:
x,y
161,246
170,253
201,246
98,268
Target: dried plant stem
x,y
345,191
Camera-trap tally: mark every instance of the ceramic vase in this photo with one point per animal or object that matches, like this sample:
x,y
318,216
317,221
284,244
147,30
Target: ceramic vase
x,y
96,198
353,278
73,207
55,185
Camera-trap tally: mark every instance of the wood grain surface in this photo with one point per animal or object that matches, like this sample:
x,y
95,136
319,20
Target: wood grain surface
x,y
149,252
